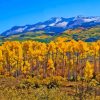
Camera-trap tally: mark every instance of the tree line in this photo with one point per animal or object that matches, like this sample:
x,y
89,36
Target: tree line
x,y
72,59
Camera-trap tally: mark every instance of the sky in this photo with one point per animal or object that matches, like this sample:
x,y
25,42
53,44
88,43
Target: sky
x,y
22,12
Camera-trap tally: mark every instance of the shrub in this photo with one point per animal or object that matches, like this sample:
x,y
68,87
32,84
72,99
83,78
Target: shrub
x,y
53,81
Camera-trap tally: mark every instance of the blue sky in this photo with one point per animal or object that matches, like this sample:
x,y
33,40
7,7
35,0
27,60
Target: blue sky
x,y
22,12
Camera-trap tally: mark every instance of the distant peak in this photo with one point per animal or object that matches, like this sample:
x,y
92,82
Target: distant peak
x,y
56,25
79,16
56,18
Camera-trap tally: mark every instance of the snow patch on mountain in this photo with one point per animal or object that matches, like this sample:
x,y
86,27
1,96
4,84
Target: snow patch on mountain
x,y
31,29
20,30
56,25
41,26
62,24
58,19
53,24
89,19
37,27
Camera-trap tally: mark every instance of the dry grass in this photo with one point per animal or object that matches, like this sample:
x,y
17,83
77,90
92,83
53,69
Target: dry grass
x,y
67,91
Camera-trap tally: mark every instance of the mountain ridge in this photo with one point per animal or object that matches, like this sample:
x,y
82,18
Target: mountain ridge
x,y
55,25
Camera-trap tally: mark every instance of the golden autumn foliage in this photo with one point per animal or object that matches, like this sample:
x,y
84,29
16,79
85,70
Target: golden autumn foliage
x,y
50,64
88,71
58,58
73,31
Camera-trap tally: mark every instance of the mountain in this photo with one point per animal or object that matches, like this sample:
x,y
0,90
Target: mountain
x,y
55,25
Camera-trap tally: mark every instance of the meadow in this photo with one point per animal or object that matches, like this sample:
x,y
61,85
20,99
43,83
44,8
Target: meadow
x,y
59,70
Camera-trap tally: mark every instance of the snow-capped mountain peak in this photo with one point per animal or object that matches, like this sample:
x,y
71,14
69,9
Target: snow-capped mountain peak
x,y
56,25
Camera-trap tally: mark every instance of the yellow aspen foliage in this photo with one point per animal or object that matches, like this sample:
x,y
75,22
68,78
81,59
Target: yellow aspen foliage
x,y
98,43
20,53
78,78
88,71
51,47
40,58
26,67
83,46
50,64
57,57
1,54
1,68
94,48
61,39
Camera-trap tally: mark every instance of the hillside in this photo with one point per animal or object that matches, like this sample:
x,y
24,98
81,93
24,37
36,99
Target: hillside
x,y
88,35
77,28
